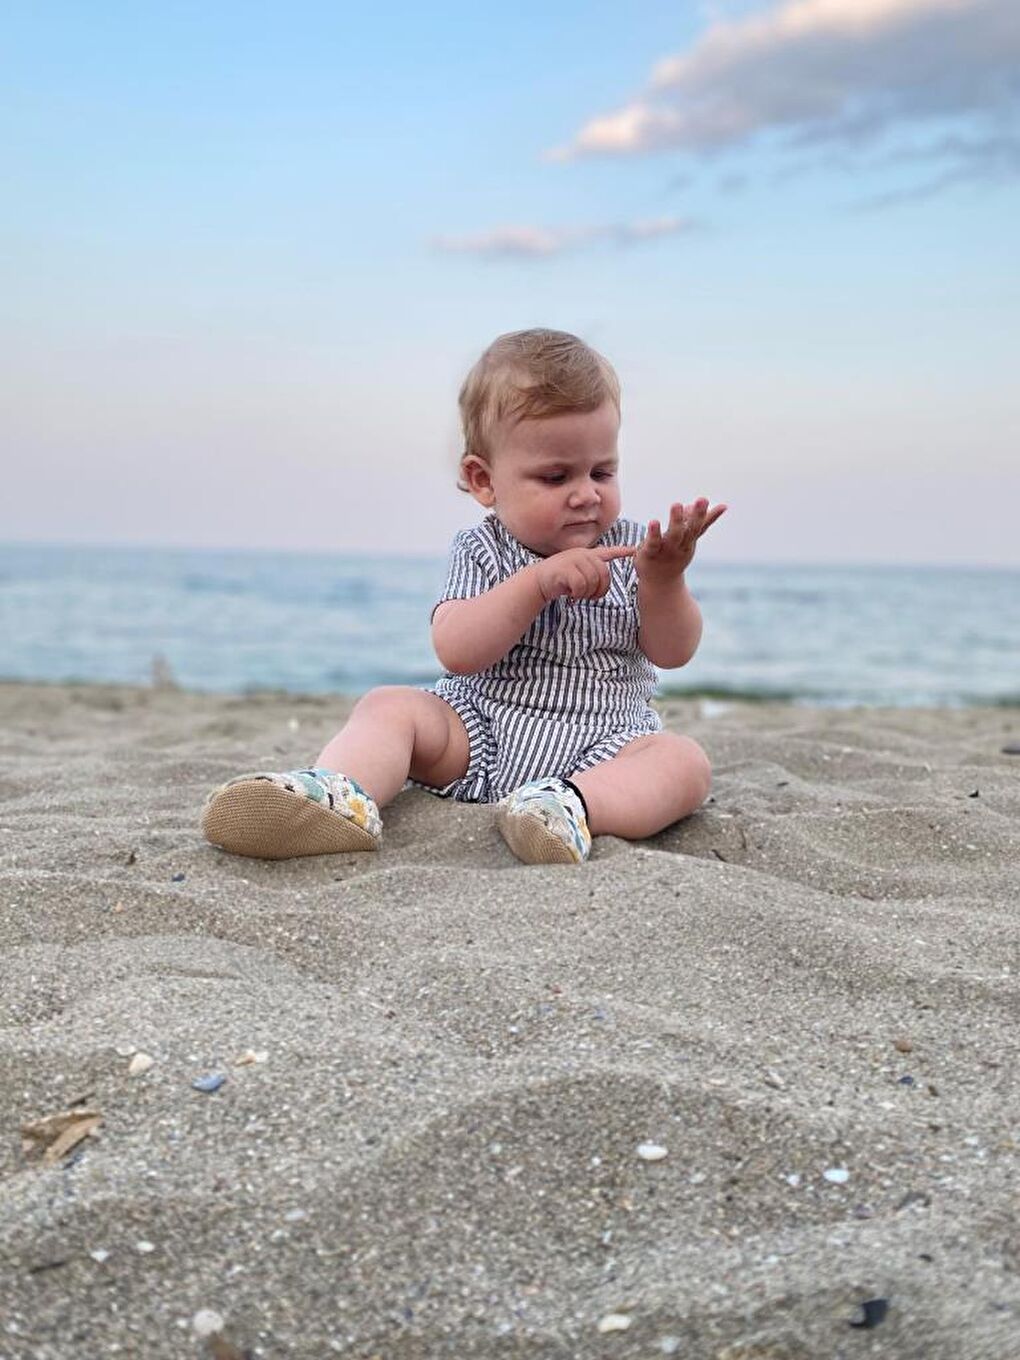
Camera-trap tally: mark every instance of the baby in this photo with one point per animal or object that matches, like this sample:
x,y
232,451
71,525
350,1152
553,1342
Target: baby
x,y
554,614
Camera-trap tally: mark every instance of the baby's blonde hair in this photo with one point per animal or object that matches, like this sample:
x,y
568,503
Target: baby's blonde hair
x,y
526,375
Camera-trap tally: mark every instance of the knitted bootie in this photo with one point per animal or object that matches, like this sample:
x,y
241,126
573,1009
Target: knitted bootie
x,y
545,822
282,816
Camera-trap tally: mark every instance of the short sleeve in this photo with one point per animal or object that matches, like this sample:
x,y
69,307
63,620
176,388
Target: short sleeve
x,y
632,535
471,570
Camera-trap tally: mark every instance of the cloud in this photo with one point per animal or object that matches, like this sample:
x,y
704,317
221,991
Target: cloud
x,y
832,72
524,242
649,229
732,184
966,161
533,242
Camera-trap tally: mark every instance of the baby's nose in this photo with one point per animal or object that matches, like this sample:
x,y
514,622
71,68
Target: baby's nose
x,y
584,493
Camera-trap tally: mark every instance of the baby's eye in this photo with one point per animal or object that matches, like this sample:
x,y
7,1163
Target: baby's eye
x,y
553,478
604,474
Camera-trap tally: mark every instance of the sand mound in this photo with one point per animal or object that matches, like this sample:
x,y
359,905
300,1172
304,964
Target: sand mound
x,y
437,1152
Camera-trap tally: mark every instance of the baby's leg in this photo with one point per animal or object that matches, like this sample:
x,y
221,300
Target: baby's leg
x,y
653,781
396,731
334,807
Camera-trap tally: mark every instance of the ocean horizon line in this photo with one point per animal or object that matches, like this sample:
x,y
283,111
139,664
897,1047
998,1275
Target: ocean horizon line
x,y
440,554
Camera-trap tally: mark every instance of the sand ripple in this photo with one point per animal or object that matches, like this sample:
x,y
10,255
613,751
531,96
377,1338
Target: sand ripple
x,y
438,1154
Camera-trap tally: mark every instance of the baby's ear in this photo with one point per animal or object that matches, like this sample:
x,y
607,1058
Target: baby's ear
x,y
476,476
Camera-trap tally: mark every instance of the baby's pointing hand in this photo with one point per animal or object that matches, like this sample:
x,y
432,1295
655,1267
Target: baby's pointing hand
x,y
666,556
579,573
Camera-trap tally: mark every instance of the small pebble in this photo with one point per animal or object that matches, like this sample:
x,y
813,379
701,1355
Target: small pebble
x,y
903,1045
793,1179
1012,748
212,1081
207,1322
614,1322
774,1080
652,1152
836,1175
178,878
100,1254
906,1080
669,1345
251,1056
913,1197
872,1312
145,1247
140,1063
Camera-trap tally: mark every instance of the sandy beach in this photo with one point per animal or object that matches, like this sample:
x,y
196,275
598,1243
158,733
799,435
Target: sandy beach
x,y
703,1096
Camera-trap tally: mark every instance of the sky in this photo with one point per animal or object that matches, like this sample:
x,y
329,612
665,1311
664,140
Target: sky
x,y
249,251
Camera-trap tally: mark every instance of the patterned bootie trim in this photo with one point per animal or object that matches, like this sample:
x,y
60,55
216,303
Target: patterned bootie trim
x,y
338,792
283,816
558,830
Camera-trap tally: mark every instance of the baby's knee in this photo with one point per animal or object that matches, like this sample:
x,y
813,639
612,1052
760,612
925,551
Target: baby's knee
x,y
385,699
697,768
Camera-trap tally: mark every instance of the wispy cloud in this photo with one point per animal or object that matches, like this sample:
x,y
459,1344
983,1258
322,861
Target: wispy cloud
x,y
964,161
836,73
527,242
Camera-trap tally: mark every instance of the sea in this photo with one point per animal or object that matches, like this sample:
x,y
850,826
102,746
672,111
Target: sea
x,y
248,621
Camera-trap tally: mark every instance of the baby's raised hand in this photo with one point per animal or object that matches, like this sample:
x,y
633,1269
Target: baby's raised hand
x,y
581,573
666,556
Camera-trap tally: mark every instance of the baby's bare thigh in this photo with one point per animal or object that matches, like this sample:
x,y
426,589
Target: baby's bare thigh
x,y
666,748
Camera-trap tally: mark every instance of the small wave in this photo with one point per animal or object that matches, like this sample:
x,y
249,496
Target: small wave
x,y
215,585
759,595
741,693
356,592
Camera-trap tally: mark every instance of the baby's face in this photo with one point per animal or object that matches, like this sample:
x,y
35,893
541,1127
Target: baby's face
x,y
553,481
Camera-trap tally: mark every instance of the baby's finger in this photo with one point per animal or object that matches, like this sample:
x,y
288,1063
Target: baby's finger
x,y
679,524
693,516
608,554
580,584
595,573
678,540
711,518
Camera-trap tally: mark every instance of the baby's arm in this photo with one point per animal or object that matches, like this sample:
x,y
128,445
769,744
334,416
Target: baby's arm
x,y
473,634
670,622
469,635
670,618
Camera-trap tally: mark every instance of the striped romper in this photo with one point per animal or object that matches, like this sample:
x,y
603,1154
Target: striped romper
x,y
570,694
